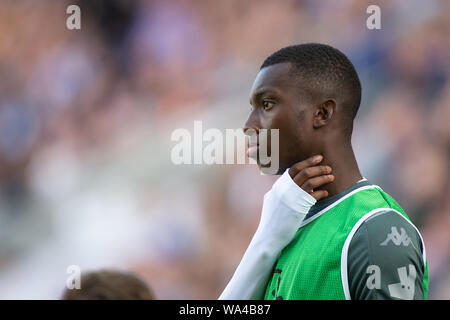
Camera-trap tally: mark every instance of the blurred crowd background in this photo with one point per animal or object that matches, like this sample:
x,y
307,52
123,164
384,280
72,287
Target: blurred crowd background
x,y
86,118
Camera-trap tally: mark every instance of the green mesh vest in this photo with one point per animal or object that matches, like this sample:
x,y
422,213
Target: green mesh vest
x,y
310,268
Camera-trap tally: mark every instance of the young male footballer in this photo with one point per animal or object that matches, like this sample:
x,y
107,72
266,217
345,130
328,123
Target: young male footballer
x,y
325,231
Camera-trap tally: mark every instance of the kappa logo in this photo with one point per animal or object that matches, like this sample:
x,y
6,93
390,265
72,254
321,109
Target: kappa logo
x,y
405,288
397,238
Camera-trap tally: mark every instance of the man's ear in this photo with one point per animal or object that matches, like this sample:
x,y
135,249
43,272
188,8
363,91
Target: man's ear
x,y
323,113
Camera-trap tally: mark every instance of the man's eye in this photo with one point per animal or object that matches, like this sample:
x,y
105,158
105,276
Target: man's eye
x,y
267,105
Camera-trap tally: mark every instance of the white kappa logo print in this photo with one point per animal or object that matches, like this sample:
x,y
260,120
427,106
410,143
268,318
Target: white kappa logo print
x,y
397,238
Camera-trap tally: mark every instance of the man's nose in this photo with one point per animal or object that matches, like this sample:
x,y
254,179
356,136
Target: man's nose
x,y
252,125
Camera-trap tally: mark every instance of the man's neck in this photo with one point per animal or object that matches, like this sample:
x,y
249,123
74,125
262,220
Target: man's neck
x,y
344,168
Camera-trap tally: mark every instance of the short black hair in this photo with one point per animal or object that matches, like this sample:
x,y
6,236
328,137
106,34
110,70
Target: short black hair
x,y
327,71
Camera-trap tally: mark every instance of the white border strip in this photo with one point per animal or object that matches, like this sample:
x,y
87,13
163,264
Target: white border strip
x,y
344,255
318,214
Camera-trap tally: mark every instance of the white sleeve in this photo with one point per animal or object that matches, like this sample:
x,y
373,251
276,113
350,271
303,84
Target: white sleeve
x,y
284,208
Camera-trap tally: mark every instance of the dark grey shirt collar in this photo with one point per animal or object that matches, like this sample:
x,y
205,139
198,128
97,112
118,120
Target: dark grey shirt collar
x,y
322,204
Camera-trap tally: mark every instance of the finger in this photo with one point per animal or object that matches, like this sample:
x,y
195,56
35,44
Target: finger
x,y
319,194
309,173
299,166
316,182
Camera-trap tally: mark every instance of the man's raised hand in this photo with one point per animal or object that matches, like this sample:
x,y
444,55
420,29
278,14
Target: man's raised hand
x,y
308,175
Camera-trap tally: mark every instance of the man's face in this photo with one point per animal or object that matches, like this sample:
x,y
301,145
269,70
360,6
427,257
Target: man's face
x,y
277,103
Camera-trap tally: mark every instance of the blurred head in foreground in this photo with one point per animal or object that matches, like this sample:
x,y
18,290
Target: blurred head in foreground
x,y
109,285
